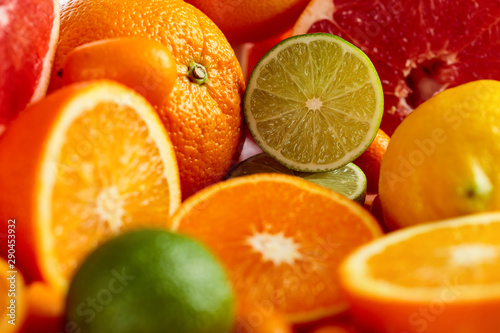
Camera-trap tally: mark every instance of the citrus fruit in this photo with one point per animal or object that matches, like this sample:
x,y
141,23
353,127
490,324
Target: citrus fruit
x,y
314,102
261,320
78,167
202,114
281,238
150,68
348,180
28,35
440,277
442,161
371,160
13,297
418,47
45,309
151,281
259,49
251,20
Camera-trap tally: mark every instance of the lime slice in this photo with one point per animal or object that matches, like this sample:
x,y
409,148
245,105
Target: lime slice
x,y
348,180
314,102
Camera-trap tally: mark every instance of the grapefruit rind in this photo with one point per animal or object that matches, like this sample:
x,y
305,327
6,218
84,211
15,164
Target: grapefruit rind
x,y
86,99
357,280
44,79
374,123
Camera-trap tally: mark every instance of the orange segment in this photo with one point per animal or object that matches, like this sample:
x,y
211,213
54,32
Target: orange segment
x,y
424,278
100,162
139,63
281,238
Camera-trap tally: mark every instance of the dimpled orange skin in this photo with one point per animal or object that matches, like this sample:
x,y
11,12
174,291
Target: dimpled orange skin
x,y
205,121
150,70
251,20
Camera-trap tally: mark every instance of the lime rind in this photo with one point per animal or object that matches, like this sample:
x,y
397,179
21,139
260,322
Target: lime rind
x,y
290,104
348,180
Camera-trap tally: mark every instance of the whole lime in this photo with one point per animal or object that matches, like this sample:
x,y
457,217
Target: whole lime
x,y
150,281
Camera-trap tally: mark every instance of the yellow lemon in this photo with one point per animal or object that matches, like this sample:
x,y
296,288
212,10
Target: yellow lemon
x,y
442,161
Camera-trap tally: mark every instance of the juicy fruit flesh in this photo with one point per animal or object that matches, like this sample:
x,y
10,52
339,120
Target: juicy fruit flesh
x,y
344,180
469,257
417,47
110,177
294,97
347,180
294,265
25,37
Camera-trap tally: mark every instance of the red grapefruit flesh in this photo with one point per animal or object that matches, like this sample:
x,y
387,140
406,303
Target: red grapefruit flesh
x,y
28,35
419,47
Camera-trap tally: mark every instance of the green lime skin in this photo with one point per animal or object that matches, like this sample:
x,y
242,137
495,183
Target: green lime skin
x,y
150,281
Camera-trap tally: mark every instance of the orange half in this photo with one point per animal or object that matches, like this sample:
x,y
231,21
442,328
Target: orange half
x,y
433,278
281,238
84,164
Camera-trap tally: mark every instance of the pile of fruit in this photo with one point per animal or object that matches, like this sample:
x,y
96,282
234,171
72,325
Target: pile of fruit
x,y
249,166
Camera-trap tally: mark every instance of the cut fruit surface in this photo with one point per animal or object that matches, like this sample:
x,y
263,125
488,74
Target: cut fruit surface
x,y
314,102
28,38
281,239
443,271
202,113
417,47
348,180
96,160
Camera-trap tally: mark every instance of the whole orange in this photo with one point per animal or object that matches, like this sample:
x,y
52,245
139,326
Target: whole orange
x,y
203,116
371,160
251,20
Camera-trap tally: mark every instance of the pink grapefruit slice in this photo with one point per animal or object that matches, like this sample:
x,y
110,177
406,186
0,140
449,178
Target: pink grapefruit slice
x,y
28,35
418,47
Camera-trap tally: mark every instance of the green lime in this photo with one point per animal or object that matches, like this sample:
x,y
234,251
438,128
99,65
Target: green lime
x,y
348,180
150,281
314,102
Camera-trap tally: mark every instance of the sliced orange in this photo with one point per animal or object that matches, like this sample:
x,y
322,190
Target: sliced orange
x,y
433,278
144,65
12,297
78,167
281,238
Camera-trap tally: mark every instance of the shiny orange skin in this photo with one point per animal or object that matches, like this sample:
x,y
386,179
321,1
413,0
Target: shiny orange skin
x,y
139,63
262,320
251,20
46,308
371,160
204,122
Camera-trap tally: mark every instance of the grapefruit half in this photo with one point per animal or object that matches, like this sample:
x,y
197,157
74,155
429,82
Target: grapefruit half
x,y
419,47
28,34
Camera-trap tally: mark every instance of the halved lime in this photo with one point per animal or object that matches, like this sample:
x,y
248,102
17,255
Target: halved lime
x,y
348,180
314,102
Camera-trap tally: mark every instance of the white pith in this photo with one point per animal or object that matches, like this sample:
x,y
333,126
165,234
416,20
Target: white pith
x,y
315,11
43,82
356,274
276,248
73,109
373,125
